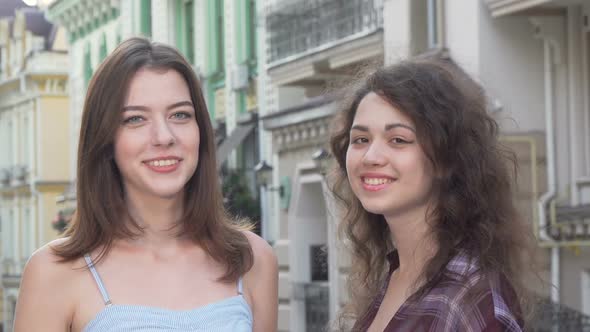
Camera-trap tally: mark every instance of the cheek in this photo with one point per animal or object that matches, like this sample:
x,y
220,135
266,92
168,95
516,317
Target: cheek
x,y
349,162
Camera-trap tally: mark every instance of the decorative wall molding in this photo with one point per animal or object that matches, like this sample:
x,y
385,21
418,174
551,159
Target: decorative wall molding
x,y
295,136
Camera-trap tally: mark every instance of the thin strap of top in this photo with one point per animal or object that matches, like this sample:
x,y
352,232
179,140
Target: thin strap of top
x,y
103,291
240,286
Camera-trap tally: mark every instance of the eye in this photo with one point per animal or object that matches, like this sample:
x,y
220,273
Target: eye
x,y
181,116
135,119
399,140
359,140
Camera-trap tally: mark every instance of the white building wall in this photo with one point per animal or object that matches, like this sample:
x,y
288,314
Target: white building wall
x,y
462,19
200,35
130,11
396,29
162,23
509,53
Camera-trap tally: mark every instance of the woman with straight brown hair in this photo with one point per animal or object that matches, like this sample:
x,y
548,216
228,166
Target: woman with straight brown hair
x,y
150,247
436,241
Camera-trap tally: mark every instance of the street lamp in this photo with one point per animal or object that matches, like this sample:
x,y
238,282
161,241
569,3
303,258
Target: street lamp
x,y
321,158
263,173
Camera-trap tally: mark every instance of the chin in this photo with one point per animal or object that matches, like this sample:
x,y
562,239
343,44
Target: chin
x,y
375,208
165,193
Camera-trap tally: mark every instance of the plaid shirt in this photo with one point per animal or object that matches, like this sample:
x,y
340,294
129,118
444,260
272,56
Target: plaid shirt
x,y
478,303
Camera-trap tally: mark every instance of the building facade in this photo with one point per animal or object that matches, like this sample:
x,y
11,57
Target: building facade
x,y
217,38
532,57
93,29
34,111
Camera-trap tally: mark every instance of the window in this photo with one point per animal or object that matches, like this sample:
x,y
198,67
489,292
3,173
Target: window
x,y
215,37
27,135
146,18
87,65
319,262
103,47
215,64
27,233
435,24
246,31
185,28
11,140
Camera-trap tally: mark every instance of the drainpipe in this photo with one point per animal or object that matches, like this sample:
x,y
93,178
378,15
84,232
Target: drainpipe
x,y
551,171
546,27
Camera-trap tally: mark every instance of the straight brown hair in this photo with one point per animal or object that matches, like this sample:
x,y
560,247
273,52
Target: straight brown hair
x,y
100,206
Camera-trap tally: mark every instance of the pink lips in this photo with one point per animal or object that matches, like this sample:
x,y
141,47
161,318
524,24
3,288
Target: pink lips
x,y
375,187
165,168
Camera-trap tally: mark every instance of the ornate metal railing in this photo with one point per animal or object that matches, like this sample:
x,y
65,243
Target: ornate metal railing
x,y
316,297
299,26
317,313
569,223
551,317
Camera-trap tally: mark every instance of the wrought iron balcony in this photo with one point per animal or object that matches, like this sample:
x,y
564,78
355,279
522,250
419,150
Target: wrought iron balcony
x,y
316,296
300,27
570,223
551,317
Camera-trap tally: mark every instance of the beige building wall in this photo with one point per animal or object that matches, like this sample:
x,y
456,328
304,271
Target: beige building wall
x,y
34,127
49,210
54,133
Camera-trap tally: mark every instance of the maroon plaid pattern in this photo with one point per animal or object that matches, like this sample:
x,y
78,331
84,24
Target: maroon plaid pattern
x,y
469,301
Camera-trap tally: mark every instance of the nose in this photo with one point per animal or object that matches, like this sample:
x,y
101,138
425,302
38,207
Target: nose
x,y
374,155
162,133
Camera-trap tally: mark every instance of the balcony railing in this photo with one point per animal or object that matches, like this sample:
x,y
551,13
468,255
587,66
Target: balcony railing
x,y
316,296
551,317
569,223
300,27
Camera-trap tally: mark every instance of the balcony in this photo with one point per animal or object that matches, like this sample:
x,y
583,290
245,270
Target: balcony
x,y
551,317
48,63
316,296
304,27
569,224
10,273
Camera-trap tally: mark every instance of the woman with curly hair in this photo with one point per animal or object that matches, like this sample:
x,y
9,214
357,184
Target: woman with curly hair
x,y
436,241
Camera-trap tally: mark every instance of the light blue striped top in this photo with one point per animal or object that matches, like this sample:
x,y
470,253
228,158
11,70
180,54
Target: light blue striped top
x,y
229,315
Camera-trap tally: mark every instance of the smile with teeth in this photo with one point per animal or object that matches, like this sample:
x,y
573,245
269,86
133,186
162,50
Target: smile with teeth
x,y
162,163
376,181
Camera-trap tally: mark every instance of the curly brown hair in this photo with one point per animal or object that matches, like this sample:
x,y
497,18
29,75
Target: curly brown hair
x,y
474,209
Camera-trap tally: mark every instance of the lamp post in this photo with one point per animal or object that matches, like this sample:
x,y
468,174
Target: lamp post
x,y
321,158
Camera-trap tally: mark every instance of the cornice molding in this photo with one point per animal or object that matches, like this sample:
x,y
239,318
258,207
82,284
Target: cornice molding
x,y
507,7
81,17
304,134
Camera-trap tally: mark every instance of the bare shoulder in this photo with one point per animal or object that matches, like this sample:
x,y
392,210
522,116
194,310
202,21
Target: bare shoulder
x,y
45,292
261,284
263,252
45,259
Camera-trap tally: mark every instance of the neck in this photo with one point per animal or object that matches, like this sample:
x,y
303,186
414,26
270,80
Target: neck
x,y
412,238
158,217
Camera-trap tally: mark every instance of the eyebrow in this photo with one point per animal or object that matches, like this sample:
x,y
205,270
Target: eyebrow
x,y
144,108
387,127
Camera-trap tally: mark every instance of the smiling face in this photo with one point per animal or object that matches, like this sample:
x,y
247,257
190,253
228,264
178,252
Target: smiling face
x,y
157,143
387,169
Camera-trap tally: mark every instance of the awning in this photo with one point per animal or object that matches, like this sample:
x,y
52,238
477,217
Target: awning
x,y
232,141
